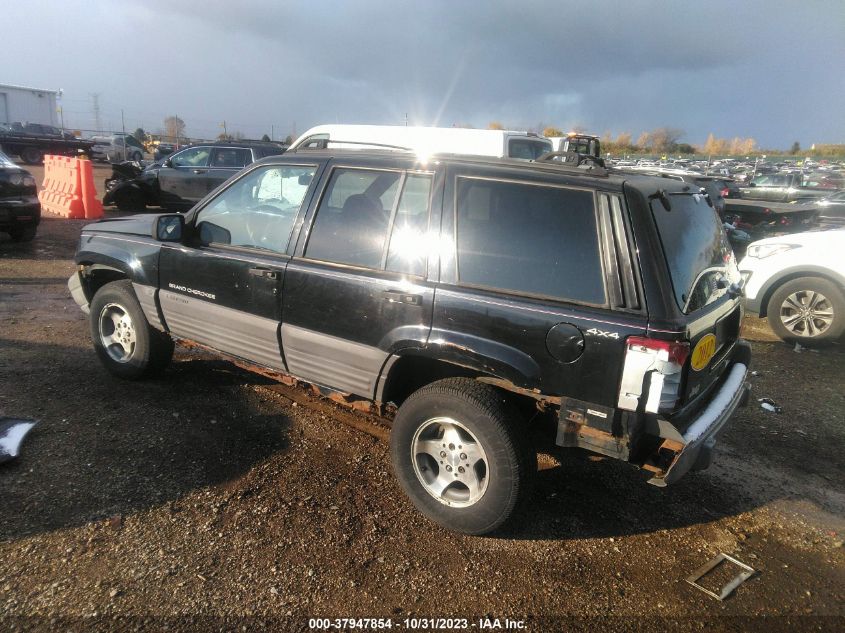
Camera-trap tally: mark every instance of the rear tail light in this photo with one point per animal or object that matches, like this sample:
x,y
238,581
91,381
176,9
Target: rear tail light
x,y
724,192
676,351
656,364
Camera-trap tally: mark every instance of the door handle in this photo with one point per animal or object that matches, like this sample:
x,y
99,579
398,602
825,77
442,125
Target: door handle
x,y
394,296
200,171
258,271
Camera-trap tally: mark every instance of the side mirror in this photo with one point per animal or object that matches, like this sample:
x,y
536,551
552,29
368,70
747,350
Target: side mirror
x,y
169,228
167,163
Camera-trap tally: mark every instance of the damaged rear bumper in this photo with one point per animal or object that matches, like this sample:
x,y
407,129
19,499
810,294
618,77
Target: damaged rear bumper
x,y
699,438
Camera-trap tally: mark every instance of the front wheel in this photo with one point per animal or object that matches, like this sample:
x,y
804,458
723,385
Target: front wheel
x,y
130,200
807,310
461,454
32,155
126,343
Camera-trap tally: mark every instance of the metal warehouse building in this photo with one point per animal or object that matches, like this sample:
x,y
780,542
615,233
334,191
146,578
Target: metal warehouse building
x,y
32,105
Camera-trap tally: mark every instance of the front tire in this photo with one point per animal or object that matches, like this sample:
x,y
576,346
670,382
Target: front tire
x,y
130,200
807,310
461,455
126,343
32,155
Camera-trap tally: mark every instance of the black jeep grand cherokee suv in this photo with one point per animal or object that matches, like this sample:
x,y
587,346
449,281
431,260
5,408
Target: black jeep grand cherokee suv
x,y
460,289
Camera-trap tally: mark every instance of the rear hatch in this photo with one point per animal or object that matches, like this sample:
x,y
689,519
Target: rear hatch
x,y
702,269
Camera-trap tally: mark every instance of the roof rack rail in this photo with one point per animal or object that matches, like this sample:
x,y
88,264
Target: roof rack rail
x,y
574,159
322,143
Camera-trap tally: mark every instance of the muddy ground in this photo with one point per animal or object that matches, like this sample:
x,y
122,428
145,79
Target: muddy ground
x,y
211,498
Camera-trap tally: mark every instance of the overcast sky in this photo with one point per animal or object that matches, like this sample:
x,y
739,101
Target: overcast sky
x,y
770,69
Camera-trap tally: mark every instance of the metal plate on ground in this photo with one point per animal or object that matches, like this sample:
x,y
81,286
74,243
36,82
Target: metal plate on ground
x,y
728,588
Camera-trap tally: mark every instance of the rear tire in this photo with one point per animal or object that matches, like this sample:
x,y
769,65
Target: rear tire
x,y
459,424
32,155
23,234
807,310
126,343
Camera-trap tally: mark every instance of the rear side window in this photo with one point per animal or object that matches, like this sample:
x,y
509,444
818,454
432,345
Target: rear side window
x,y
530,239
353,219
373,219
230,157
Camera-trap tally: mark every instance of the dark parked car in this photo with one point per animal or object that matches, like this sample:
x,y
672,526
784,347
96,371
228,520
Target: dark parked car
x,y
792,187
478,295
20,210
714,186
729,187
163,150
183,178
39,129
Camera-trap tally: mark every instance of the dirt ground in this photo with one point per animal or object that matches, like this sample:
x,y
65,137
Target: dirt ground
x,y
213,498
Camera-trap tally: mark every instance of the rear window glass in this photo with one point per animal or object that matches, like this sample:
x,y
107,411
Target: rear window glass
x,y
529,239
696,249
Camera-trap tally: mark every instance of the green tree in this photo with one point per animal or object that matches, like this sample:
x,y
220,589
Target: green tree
x,y
796,147
140,134
265,138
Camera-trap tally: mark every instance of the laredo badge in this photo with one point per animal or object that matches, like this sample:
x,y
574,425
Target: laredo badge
x,y
703,352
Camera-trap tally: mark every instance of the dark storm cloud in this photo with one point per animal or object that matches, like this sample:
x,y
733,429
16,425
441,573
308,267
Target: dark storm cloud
x,y
756,68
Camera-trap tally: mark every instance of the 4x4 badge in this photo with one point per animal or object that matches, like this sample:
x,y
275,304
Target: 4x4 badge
x,y
602,333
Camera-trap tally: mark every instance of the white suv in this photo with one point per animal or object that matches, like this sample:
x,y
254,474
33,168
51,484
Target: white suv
x,y
116,148
798,282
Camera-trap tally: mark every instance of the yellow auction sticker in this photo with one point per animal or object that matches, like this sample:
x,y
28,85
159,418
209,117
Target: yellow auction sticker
x,y
703,352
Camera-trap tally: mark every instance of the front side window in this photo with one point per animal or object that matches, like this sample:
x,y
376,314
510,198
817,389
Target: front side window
x,y
192,157
530,239
257,211
409,245
352,222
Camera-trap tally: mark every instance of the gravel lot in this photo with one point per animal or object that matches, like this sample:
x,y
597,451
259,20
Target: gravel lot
x,y
214,498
